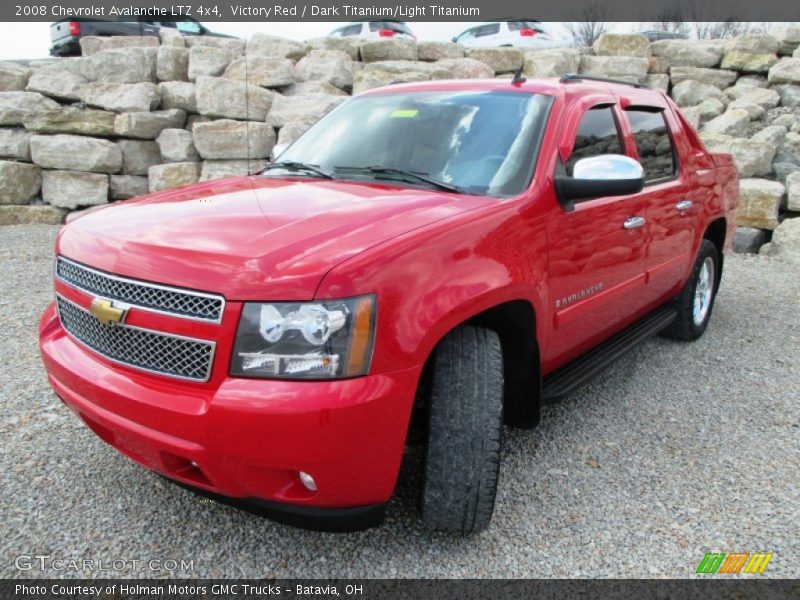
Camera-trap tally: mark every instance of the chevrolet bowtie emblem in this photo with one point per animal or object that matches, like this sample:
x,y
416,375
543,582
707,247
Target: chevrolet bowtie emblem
x,y
106,312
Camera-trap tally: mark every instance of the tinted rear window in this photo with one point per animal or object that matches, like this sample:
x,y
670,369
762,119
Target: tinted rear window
x,y
653,143
391,25
517,25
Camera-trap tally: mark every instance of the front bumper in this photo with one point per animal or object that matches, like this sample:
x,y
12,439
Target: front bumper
x,y
245,440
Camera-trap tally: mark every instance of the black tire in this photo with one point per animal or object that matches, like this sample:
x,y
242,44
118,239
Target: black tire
x,y
464,432
685,327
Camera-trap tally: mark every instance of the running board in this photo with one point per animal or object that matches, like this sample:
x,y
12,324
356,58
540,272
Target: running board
x,y
580,371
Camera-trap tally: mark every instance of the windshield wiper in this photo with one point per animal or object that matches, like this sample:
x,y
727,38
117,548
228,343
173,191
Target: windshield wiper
x,y
403,174
291,165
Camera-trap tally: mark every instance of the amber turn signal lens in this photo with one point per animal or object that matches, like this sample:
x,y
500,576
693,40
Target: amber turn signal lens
x,y
362,337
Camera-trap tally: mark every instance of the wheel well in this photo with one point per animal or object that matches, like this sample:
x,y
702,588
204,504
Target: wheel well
x,y
515,324
715,233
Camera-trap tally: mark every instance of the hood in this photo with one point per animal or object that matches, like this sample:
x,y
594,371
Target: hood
x,y
251,238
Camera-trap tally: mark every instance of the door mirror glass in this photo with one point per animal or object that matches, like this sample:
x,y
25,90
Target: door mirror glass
x,y
598,177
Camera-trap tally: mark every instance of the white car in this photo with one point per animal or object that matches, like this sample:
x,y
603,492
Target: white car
x,y
370,30
498,34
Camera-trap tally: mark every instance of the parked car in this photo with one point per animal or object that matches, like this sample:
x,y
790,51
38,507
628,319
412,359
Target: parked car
x,y
370,30
65,35
497,34
468,251
654,35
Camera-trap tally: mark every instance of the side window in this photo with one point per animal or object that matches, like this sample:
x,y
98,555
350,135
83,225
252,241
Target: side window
x,y
597,134
654,144
467,35
351,30
488,30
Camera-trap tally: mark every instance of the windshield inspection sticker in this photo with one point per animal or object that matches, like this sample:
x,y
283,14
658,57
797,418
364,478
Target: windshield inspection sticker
x,y
404,114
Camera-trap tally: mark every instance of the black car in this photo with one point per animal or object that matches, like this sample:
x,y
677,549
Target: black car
x,y
65,35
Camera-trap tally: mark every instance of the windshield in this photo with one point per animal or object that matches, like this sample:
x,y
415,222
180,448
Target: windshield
x,y
475,142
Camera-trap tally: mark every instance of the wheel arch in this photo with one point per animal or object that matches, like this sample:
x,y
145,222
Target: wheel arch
x,y
716,232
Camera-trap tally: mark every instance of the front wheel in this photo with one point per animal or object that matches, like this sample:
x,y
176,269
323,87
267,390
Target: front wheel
x,y
696,300
466,417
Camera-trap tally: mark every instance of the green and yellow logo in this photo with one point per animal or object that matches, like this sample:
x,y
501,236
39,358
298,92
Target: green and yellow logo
x,y
734,562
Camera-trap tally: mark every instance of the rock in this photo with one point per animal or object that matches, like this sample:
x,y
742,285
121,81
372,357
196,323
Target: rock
x,y
178,94
122,187
226,139
433,51
749,63
225,98
657,81
15,107
121,97
763,97
332,66
760,201
459,68
785,243
716,77
658,64
192,119
19,182
622,44
177,145
790,95
206,61
76,153
62,80
91,45
783,170
793,191
788,37
25,215
786,70
290,132
733,122
388,49
616,67
72,120
754,111
785,121
262,44
15,144
747,240
348,45
302,88
692,93
689,53
13,77
501,60
378,74
551,63
713,107
172,175
752,159
147,125
138,156
233,46
218,169
692,115
129,65
171,37
305,109
753,44
172,64
751,80
71,189
262,70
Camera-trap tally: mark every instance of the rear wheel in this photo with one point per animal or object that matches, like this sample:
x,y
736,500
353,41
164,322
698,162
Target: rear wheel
x,y
464,431
696,300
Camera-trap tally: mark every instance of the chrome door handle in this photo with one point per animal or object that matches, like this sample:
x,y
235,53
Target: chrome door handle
x,y
633,222
684,205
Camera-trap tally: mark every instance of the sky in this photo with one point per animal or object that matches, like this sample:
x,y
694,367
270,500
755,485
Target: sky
x,y
32,40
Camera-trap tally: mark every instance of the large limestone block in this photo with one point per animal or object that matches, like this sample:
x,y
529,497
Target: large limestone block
x,y
121,97
433,51
218,169
501,60
178,94
263,71
622,44
177,145
172,64
35,214
76,153
128,65
616,67
760,201
172,175
138,156
122,187
147,125
19,182
689,53
15,143
225,98
15,107
91,45
332,66
13,77
228,139
551,63
717,77
785,243
786,70
692,92
206,61
383,73
752,158
72,120
388,49
262,44
306,109
71,189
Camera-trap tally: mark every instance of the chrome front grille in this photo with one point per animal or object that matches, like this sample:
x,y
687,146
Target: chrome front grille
x,y
150,296
143,349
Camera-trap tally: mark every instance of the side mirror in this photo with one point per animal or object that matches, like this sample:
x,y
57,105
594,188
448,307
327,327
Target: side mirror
x,y
599,177
454,39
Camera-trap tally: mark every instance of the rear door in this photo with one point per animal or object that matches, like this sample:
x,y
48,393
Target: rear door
x,y
596,256
670,207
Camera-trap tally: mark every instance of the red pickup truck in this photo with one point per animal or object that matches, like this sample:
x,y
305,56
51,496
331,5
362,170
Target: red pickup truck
x,y
428,261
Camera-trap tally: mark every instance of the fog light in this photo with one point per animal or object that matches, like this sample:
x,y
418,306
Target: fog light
x,y
308,481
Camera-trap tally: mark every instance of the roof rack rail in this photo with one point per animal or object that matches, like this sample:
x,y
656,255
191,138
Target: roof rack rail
x,y
567,77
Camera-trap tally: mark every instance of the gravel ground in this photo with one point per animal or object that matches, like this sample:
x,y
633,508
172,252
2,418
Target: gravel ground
x,y
679,449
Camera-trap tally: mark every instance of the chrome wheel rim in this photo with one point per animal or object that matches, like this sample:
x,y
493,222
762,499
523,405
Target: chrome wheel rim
x,y
703,291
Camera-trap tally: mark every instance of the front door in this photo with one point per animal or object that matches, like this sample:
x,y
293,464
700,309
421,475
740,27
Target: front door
x,y
596,251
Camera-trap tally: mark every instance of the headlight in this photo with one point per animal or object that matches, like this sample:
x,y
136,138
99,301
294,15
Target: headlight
x,y
305,340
